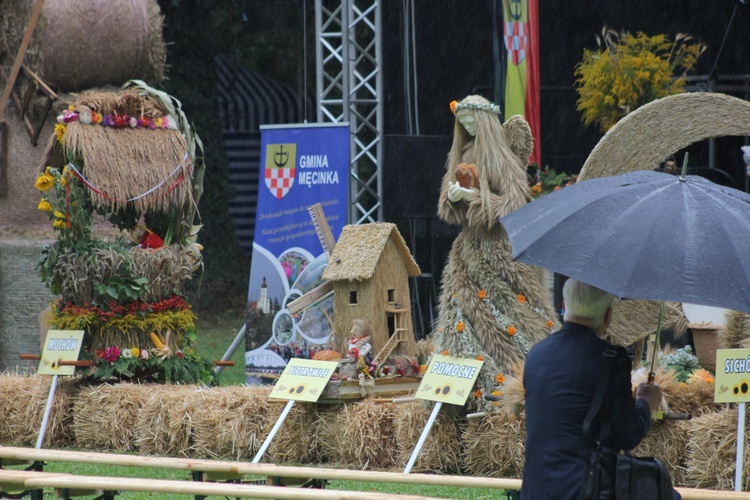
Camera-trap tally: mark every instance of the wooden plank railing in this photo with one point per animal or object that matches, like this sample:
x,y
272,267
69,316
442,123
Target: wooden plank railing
x,y
214,469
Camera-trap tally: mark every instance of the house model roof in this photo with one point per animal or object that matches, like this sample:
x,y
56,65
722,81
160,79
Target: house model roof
x,y
359,248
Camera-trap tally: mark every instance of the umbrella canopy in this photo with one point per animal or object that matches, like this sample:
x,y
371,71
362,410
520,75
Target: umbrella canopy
x,y
643,235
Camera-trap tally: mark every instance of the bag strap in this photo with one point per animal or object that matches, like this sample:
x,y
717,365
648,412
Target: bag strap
x,y
598,400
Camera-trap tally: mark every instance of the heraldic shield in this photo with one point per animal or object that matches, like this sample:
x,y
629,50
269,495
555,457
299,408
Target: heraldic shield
x,y
280,171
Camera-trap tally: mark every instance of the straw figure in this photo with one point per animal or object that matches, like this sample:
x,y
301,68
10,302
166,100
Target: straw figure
x,y
490,306
131,159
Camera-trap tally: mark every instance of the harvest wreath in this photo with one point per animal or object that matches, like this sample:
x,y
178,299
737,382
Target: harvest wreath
x,y
129,158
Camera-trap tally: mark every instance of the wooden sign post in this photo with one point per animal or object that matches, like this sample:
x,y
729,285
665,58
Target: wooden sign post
x,y
60,348
447,380
302,380
732,385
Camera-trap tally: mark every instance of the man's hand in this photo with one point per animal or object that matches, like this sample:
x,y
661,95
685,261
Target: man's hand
x,y
651,393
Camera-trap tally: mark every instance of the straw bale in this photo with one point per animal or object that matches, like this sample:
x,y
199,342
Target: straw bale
x,y
494,445
85,45
633,320
441,451
233,422
105,416
735,332
653,132
23,399
166,423
667,440
694,398
295,442
712,450
369,436
329,435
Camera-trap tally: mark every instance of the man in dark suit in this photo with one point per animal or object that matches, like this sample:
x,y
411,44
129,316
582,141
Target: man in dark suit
x,y
560,376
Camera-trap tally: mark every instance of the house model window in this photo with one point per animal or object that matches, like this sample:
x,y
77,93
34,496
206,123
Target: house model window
x,y
391,295
353,297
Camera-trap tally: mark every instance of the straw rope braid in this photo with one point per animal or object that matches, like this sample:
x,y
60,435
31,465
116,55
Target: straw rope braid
x,y
102,193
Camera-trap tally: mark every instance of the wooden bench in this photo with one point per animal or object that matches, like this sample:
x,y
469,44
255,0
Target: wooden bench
x,y
204,471
13,481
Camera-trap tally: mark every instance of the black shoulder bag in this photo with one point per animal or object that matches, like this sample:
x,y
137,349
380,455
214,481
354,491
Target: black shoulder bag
x,y
613,475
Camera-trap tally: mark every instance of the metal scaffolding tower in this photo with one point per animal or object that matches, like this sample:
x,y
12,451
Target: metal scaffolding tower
x,y
349,89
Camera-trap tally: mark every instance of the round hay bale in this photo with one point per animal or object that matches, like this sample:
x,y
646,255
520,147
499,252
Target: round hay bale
x,y
165,423
711,452
233,421
24,398
653,132
441,451
494,445
79,44
368,438
106,416
295,442
667,441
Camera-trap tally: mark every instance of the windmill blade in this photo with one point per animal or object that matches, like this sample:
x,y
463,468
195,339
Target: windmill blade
x,y
312,297
325,235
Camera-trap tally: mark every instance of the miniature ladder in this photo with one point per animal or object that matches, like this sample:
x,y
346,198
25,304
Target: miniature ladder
x,y
398,336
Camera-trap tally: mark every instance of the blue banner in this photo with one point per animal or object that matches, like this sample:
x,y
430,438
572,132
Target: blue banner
x,y
301,165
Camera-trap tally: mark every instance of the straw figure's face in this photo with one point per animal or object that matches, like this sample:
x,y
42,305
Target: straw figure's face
x,y
499,153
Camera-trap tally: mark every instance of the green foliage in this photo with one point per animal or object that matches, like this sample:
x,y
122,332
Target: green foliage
x,y
123,289
628,71
682,361
548,180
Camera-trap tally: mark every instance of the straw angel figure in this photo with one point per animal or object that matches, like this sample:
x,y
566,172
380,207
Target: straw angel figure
x,y
490,307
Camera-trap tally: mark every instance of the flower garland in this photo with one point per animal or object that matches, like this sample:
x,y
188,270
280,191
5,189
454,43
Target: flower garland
x,y
457,106
91,117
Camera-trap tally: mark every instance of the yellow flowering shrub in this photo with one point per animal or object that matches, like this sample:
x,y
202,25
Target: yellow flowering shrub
x,y
628,71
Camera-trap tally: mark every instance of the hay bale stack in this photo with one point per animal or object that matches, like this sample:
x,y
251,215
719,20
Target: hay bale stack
x,y
667,441
106,416
368,439
80,44
166,424
233,422
494,445
711,452
23,399
295,442
329,435
442,448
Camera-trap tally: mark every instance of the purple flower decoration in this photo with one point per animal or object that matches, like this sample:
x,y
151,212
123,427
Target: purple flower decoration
x,y
108,121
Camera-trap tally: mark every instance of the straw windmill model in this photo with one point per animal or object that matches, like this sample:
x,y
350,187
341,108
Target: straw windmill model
x,y
368,274
131,158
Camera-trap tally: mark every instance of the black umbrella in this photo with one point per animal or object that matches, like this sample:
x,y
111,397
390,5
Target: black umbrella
x,y
643,235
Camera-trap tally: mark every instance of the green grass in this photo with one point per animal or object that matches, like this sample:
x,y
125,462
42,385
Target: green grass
x,y
216,333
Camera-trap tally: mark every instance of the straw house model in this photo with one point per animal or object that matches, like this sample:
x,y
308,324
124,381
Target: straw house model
x,y
129,158
370,269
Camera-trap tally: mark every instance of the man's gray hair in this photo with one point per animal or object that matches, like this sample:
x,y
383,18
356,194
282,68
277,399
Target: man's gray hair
x,y
585,301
